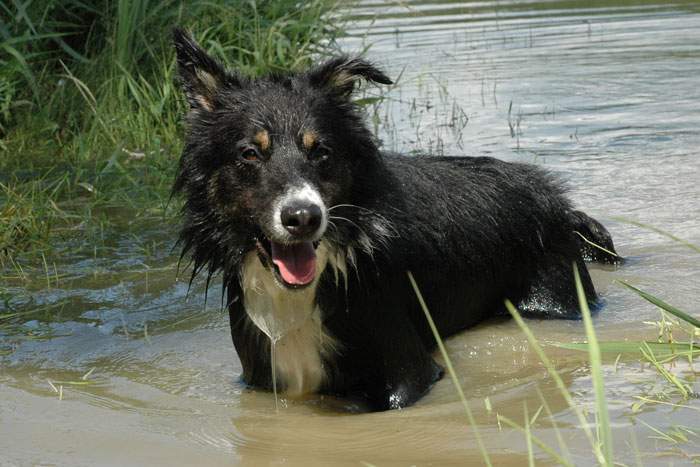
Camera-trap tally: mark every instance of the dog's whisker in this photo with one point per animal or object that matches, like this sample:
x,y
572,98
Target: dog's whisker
x,y
350,206
367,210
348,220
333,225
351,222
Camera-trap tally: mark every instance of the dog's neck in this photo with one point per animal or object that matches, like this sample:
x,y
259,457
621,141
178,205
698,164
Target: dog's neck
x,y
293,321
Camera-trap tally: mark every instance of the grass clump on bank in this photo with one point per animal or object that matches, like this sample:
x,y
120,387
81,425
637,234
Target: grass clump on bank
x,y
90,115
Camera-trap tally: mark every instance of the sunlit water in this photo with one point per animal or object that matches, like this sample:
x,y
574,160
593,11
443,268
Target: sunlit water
x,y
606,96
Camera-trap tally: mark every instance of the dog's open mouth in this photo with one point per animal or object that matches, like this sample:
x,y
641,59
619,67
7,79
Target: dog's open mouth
x,y
294,265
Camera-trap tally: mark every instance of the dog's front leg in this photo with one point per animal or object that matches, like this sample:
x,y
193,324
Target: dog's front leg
x,y
394,366
252,346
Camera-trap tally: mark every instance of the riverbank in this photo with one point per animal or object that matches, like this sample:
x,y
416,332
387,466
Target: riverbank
x,y
90,113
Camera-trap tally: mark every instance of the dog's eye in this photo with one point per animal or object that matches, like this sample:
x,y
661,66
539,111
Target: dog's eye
x,y
250,155
319,153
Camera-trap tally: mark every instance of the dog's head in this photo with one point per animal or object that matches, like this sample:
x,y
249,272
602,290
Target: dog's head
x,y
266,158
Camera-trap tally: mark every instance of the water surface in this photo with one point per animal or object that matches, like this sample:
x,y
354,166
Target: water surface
x,y
603,93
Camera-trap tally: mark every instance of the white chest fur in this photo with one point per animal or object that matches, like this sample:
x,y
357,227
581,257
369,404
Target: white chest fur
x,y
293,321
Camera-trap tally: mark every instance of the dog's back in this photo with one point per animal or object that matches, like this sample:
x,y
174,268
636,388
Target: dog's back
x,y
473,232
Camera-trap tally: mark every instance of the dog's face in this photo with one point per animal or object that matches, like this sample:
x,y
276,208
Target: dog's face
x,y
270,157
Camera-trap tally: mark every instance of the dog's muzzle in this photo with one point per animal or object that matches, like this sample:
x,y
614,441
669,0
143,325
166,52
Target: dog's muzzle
x,y
299,221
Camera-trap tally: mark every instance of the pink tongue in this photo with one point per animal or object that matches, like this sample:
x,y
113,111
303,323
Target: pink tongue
x,y
297,262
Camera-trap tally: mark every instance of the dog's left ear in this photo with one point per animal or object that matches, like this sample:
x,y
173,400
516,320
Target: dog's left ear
x,y
200,75
342,73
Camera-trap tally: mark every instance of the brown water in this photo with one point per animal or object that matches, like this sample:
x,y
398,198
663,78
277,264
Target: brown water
x,y
605,95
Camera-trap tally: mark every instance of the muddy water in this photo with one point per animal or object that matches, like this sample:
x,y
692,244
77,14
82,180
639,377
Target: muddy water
x,y
605,95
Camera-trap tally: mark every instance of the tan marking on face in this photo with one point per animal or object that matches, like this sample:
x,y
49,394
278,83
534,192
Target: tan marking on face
x,y
205,103
308,139
262,137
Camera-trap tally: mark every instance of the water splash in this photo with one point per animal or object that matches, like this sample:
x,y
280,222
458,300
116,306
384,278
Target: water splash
x,y
273,365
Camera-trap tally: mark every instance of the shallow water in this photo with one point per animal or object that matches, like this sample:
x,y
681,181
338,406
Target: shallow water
x,y
604,95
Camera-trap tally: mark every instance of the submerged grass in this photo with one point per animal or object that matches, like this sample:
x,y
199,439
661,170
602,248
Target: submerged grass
x,y
89,109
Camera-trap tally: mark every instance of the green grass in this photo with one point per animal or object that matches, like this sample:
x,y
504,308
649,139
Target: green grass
x,y
660,231
604,433
561,386
601,440
90,120
654,353
90,114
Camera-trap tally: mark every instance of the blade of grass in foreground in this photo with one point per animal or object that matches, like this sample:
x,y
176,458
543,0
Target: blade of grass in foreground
x,y
450,369
536,440
663,305
562,445
595,358
682,387
662,349
557,379
595,245
528,437
659,231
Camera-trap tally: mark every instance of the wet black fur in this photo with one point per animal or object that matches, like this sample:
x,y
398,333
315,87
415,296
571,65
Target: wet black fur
x,y
474,231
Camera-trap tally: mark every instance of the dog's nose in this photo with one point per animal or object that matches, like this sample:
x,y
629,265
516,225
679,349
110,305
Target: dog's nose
x,y
301,220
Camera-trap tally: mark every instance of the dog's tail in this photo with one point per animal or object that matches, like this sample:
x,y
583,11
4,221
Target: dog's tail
x,y
595,241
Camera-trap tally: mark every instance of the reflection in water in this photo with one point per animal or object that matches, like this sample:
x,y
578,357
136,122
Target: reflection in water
x,y
603,94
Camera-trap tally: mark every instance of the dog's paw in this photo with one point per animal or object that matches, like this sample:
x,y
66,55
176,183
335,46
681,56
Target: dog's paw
x,y
407,391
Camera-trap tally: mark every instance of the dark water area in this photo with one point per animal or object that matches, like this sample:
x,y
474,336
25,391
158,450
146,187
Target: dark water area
x,y
605,94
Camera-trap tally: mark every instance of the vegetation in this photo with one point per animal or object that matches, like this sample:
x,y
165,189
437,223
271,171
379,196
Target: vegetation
x,y
90,122
655,353
90,116
658,355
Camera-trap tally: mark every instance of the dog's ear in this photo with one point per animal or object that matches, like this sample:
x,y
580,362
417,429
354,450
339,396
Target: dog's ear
x,y
200,75
340,74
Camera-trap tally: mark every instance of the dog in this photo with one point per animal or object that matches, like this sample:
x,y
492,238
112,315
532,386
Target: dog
x,y
313,229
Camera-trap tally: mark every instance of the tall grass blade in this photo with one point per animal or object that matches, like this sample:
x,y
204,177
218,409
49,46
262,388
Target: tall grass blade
x,y
450,369
557,432
663,305
663,349
692,246
24,67
541,444
595,245
528,437
660,433
557,379
683,388
595,358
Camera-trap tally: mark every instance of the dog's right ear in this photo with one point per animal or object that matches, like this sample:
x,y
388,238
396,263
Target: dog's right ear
x,y
341,74
200,75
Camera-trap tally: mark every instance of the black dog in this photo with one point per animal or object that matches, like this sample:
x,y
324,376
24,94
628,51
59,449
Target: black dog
x,y
313,229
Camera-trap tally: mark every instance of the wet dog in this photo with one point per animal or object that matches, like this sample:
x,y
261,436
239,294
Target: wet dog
x,y
313,229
